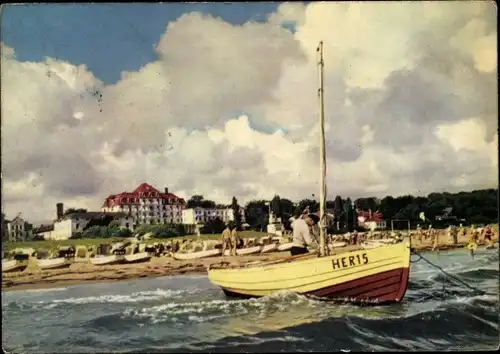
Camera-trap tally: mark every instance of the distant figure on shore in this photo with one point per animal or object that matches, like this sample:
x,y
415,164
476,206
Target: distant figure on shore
x,y
420,234
434,237
473,238
226,241
302,237
454,234
354,238
487,235
462,231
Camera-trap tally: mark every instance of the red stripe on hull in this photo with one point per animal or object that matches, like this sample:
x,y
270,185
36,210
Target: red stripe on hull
x,y
383,287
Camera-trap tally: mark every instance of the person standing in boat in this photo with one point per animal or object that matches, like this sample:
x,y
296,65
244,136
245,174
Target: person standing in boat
x,y
302,237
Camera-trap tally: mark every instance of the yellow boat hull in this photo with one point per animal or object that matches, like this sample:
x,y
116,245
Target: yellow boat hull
x,y
380,275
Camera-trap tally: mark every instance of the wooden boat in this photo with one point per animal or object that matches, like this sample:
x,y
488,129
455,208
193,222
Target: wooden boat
x,y
371,245
53,263
337,244
106,260
10,266
383,240
269,248
196,255
285,246
137,257
249,250
376,275
379,275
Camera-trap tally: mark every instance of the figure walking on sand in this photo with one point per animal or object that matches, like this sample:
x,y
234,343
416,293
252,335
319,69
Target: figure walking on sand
x,y
488,235
226,241
420,234
235,239
454,234
434,238
473,238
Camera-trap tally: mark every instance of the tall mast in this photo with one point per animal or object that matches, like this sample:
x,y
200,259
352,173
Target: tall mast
x,y
322,160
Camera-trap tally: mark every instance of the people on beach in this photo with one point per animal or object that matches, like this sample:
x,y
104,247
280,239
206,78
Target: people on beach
x,y
302,237
354,238
235,239
226,241
487,235
432,234
420,234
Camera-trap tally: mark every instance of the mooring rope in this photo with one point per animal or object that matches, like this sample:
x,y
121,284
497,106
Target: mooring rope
x,y
448,275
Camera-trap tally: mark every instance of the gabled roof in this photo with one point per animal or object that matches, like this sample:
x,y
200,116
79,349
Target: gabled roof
x,y
375,216
144,187
91,215
139,192
43,228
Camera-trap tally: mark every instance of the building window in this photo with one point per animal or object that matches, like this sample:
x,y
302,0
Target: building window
x,y
126,225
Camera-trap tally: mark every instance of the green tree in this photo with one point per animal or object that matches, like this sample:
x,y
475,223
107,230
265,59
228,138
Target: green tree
x,y
236,213
74,210
313,206
350,215
215,226
256,214
276,206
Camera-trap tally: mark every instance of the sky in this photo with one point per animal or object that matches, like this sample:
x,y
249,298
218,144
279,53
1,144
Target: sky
x,y
221,100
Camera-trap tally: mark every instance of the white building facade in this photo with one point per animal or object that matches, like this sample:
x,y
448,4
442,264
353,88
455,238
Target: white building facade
x,y
147,205
69,225
201,215
19,230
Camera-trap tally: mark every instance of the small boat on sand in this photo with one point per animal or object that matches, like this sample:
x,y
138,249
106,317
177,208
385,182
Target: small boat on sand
x,y
249,250
338,244
10,266
285,246
137,257
196,255
269,248
106,260
53,263
244,251
371,245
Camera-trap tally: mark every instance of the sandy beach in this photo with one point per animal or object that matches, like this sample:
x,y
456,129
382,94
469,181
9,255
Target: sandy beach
x,y
34,278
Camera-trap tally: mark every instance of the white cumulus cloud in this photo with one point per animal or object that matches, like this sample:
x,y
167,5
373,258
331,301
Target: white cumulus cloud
x,y
410,93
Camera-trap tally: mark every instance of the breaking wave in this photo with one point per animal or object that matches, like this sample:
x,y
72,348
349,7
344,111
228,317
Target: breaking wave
x,y
188,314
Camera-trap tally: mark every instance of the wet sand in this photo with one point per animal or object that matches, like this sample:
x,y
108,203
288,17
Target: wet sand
x,y
79,273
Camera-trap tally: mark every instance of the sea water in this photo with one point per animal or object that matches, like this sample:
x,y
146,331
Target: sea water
x,y
189,314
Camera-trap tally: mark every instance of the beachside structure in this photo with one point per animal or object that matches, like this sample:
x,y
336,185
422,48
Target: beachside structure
x,y
67,226
18,230
147,205
199,215
371,220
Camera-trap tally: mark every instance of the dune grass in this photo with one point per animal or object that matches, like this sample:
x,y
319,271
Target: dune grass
x,y
46,244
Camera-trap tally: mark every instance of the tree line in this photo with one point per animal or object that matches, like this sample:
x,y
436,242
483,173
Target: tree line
x,y
476,207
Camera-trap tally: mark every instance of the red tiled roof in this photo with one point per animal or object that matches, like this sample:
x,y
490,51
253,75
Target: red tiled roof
x,y
375,216
139,192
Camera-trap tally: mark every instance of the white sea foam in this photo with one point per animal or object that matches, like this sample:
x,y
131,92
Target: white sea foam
x,y
142,296
47,290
